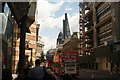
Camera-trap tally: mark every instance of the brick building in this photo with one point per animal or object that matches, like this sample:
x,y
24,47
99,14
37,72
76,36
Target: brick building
x,y
30,51
72,43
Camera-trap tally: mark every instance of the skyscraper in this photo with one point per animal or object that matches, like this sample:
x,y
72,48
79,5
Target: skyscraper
x,y
66,29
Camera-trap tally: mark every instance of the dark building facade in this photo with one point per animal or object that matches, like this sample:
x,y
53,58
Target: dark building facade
x,y
7,34
66,29
99,29
10,16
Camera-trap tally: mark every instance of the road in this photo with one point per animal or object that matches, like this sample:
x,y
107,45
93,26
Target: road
x,y
93,75
97,75
89,75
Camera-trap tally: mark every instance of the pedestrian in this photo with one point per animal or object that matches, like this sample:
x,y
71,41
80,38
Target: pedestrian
x,y
24,74
37,72
6,74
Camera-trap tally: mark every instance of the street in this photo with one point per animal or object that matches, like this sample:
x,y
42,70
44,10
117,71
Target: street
x,y
88,75
94,75
75,40
98,75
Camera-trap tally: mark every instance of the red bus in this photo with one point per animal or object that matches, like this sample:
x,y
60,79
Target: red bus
x,y
66,63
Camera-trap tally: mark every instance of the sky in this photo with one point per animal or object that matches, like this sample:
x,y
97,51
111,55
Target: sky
x,y
51,15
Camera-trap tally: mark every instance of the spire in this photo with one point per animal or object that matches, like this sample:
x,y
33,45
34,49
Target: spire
x,y
66,16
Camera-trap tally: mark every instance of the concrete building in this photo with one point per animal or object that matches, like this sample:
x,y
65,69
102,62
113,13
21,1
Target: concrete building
x,y
99,25
72,43
40,47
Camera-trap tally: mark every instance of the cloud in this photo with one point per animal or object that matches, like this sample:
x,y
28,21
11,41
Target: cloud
x,y
46,9
49,43
57,22
51,22
47,20
74,22
68,9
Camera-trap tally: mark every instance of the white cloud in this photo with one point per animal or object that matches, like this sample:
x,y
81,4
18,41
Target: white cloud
x,y
46,9
68,9
52,22
74,22
47,20
58,22
49,43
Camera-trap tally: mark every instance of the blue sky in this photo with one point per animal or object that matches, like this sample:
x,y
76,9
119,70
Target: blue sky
x,y
70,5
51,17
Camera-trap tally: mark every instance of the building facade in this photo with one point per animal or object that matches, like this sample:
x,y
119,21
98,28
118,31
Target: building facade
x,y
66,28
30,51
72,44
99,25
40,47
10,25
30,39
6,30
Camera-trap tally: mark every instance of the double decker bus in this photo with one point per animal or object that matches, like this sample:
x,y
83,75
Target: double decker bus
x,y
66,63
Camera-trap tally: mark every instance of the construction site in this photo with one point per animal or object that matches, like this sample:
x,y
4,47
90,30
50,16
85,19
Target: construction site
x,y
99,35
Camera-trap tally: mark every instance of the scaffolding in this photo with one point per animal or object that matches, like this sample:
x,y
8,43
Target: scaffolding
x,y
99,25
95,24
